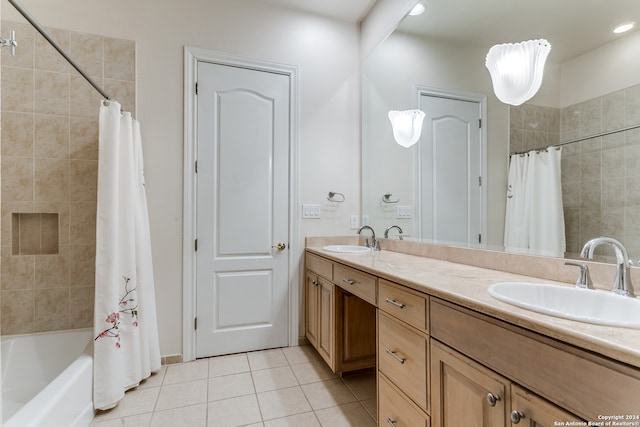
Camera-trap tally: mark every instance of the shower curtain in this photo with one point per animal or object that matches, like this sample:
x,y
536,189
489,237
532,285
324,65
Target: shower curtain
x,y
126,348
534,221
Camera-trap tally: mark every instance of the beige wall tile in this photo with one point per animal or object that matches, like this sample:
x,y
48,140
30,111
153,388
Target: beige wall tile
x,y
52,136
51,93
82,223
123,92
119,59
49,237
591,116
29,230
52,271
38,176
632,105
17,89
17,134
84,138
82,260
18,272
17,312
84,99
81,302
84,180
17,179
51,311
88,52
46,57
51,180
613,110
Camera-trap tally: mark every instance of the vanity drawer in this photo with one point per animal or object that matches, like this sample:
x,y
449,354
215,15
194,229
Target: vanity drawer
x,y
395,409
404,304
319,266
402,357
356,282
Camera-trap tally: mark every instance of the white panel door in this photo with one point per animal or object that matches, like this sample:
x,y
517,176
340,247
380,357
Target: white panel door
x,y
451,170
242,209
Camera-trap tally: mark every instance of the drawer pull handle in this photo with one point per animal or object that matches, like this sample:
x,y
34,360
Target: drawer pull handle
x,y
394,302
516,416
349,281
390,421
492,399
395,356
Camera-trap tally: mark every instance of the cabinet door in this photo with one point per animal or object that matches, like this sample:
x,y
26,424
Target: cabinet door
x,y
465,393
311,308
530,410
326,334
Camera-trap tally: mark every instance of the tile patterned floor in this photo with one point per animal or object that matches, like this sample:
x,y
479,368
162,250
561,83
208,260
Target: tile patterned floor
x,y
272,388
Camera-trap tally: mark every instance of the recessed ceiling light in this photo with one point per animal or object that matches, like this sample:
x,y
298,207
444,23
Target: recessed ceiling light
x,y
623,28
417,10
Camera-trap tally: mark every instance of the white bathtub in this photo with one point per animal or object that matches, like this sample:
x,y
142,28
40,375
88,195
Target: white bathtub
x,y
47,379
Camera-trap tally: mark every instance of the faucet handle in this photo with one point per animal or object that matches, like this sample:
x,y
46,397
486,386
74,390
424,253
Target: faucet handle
x,y
584,281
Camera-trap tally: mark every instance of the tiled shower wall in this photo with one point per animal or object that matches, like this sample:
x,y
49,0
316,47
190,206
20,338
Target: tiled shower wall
x,y
600,176
49,149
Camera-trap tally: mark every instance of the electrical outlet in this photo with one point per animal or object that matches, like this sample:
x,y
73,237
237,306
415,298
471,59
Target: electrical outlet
x,y
403,212
355,222
311,211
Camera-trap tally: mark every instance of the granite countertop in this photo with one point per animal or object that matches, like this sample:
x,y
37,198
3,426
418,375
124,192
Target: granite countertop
x,y
467,285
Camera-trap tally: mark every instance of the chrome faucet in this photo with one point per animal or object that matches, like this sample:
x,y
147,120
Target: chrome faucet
x,y
375,244
386,231
622,282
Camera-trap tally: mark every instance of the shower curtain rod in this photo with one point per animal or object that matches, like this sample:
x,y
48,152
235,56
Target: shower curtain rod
x,y
56,46
571,141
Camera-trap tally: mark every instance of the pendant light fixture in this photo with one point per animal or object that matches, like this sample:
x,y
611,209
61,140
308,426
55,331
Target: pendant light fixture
x,y
516,69
407,126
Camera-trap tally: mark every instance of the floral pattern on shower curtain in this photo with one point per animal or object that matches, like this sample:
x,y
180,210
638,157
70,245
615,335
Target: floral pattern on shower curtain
x,y
126,347
534,221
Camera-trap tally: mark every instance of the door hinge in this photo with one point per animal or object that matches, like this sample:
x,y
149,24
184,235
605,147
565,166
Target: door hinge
x,y
196,166
196,245
479,238
195,323
479,120
480,181
196,88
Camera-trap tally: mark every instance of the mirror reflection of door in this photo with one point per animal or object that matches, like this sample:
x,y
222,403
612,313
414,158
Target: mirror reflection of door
x,y
451,172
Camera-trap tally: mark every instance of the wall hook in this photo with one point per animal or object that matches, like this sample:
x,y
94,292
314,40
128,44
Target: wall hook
x,y
386,197
335,197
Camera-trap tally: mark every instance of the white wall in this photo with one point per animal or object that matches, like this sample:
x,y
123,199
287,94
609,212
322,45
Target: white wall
x,y
327,54
612,67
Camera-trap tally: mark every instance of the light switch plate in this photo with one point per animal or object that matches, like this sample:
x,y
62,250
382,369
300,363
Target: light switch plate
x,y
403,212
311,211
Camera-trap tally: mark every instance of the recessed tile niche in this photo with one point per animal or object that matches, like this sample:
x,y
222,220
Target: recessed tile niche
x,y
34,234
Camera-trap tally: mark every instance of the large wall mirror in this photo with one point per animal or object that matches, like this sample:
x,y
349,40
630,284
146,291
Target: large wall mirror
x,y
589,95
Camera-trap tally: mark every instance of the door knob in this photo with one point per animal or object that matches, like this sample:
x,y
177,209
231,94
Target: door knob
x,y
280,246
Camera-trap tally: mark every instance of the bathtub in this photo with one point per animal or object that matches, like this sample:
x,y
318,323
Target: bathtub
x,y
47,379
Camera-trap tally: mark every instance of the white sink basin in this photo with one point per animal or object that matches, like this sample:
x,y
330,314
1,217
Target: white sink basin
x,y
347,249
584,305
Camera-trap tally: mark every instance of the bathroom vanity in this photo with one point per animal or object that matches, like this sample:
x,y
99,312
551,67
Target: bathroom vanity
x,y
448,354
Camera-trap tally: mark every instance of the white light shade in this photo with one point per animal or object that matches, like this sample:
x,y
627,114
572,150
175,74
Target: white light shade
x,y
407,126
516,69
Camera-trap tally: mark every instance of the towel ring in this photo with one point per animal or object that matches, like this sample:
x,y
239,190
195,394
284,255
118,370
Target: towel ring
x,y
333,194
386,197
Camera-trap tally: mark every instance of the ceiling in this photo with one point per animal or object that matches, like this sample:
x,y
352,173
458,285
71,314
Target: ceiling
x,y
573,27
344,10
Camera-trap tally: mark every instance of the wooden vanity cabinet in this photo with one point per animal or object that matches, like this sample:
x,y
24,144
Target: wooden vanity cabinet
x,y
340,325
465,393
319,294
